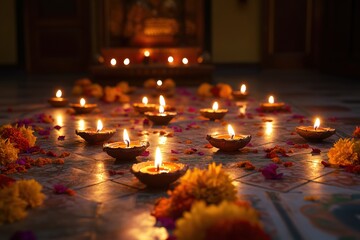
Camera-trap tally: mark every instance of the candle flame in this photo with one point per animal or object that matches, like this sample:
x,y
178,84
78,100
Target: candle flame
x,y
243,88
170,59
99,125
113,62
158,158
317,123
161,109
146,53
126,61
185,61
145,100
58,93
215,106
126,138
231,131
271,99
82,102
159,83
162,100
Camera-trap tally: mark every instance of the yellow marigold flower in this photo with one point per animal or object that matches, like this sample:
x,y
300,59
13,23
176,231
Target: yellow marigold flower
x,y
30,191
212,185
204,90
344,152
8,153
12,208
195,223
28,134
225,90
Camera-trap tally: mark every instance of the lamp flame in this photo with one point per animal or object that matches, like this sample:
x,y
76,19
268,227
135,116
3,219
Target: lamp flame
x,y
58,93
185,61
231,131
317,123
145,100
161,109
113,62
99,125
271,100
146,53
159,83
158,158
215,106
243,88
82,102
162,100
126,61
170,59
126,138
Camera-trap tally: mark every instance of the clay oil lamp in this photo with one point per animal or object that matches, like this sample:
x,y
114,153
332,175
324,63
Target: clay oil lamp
x,y
162,117
240,95
213,113
158,174
315,133
98,135
126,150
82,107
58,101
272,106
145,106
230,142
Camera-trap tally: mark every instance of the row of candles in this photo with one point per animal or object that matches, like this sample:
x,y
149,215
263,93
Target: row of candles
x,y
158,173
146,60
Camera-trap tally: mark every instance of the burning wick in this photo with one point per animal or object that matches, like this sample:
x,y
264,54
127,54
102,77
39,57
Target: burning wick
x,y
146,54
271,100
215,106
231,131
243,88
126,138
158,159
159,83
99,126
317,123
170,59
145,100
58,93
82,102
113,62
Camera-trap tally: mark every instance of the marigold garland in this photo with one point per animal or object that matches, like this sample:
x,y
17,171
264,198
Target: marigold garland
x,y
345,152
16,197
8,153
212,186
227,220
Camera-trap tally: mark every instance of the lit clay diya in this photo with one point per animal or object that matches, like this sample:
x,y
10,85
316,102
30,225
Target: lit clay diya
x,y
158,174
230,142
144,106
97,135
214,113
58,101
162,117
272,106
83,107
240,95
126,150
315,133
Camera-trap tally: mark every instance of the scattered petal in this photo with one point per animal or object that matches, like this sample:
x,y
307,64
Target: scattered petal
x,y
269,172
61,138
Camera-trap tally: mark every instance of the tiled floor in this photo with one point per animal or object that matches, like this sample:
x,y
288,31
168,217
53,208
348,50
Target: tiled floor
x,y
118,207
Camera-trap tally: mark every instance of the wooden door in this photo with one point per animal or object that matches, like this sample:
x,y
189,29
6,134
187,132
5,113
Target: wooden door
x,y
340,48
287,33
57,35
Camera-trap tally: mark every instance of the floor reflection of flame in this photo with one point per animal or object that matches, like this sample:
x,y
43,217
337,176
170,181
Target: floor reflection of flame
x,y
268,128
